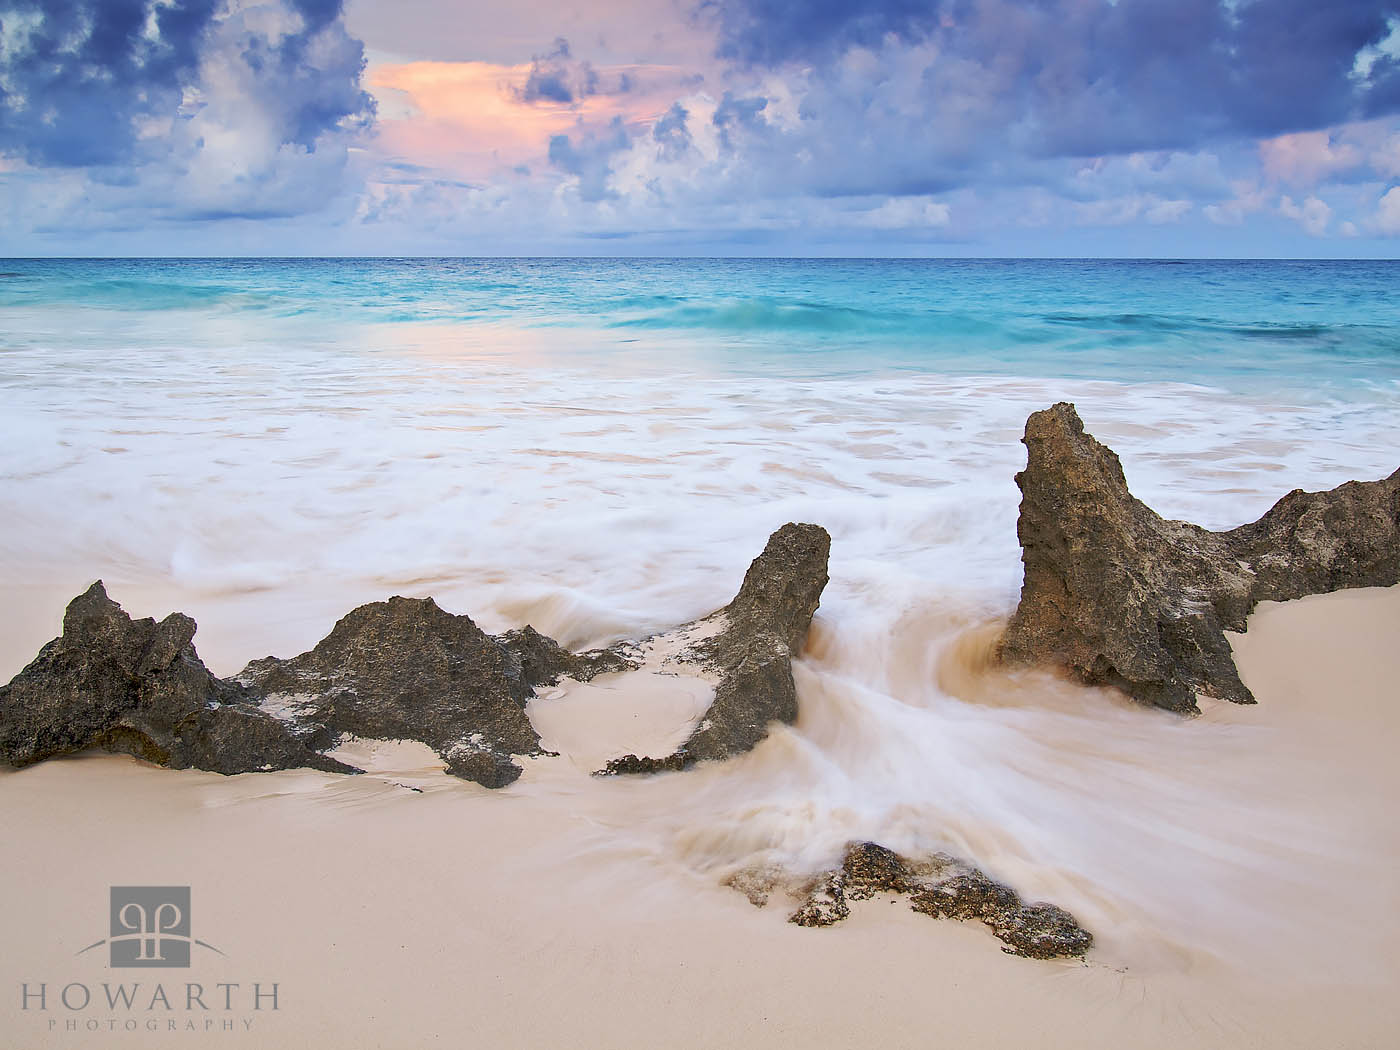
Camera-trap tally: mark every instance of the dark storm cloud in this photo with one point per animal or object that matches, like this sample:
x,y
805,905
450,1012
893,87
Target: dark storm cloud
x,y
1100,76
78,76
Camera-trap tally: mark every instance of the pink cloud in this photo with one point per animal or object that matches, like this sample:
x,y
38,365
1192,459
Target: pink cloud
x,y
1306,158
470,118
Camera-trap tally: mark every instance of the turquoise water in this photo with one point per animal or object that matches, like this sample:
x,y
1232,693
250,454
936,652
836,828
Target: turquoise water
x,y
1234,324
599,448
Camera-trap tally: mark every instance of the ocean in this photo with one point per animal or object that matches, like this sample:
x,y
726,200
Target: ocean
x,y
599,447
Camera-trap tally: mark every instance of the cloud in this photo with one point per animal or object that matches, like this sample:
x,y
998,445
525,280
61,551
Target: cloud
x,y
589,158
1082,77
183,107
1307,158
556,77
470,118
771,32
1313,214
1385,158
1248,198
1386,220
905,213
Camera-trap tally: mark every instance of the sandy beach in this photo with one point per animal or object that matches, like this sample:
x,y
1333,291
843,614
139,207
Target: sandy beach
x,y
727,525
404,908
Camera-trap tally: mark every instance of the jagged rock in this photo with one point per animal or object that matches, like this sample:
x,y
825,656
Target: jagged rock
x,y
937,886
1119,596
748,647
401,669
407,670
139,687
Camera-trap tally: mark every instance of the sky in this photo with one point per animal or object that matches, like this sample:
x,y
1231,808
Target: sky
x,y
1139,128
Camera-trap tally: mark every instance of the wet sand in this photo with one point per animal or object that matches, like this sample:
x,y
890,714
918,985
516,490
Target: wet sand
x,y
404,909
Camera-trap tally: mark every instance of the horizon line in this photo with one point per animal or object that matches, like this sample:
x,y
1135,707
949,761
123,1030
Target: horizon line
x,y
709,258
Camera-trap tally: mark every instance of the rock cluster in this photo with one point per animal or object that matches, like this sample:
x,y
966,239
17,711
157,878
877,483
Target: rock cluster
x,y
139,687
1119,596
944,889
401,669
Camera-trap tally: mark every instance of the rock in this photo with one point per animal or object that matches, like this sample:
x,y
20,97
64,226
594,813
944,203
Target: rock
x,y
970,895
1316,542
401,669
757,883
1042,931
825,904
543,661
748,647
634,764
1037,931
869,869
937,886
138,687
405,669
781,590
1119,596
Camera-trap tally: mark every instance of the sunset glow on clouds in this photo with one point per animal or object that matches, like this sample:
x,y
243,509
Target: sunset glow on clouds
x,y
983,127
477,119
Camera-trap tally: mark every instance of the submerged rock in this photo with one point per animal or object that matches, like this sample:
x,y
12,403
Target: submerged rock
x,y
138,687
747,647
941,888
1118,595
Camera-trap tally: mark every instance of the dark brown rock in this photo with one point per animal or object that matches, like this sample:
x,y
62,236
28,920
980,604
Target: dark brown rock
x,y
751,652
937,886
543,661
1316,542
781,590
1036,931
138,687
405,669
826,902
1119,596
1042,931
970,895
869,869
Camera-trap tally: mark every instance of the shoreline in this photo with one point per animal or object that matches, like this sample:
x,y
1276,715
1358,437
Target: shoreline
x,y
522,917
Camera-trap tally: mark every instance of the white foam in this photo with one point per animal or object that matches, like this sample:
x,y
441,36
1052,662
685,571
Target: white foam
x,y
267,489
